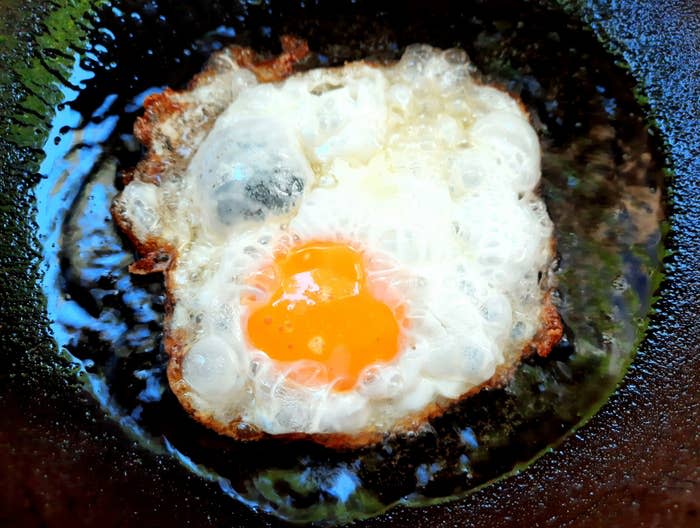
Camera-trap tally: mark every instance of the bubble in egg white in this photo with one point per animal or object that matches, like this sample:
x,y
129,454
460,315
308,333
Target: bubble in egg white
x,y
510,140
470,169
381,381
455,56
414,59
502,241
294,409
212,369
259,172
498,314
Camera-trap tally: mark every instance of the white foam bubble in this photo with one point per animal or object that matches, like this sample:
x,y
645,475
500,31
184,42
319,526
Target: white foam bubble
x,y
381,381
246,170
212,369
513,144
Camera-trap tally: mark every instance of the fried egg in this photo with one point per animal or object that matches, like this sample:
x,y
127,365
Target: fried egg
x,y
347,251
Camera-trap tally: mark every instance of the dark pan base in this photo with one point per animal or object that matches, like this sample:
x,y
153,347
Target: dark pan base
x,y
636,463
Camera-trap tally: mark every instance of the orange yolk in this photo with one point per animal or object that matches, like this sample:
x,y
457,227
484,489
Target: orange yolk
x,y
320,308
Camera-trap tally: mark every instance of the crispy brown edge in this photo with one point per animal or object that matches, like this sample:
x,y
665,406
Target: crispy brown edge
x,y
158,256
277,68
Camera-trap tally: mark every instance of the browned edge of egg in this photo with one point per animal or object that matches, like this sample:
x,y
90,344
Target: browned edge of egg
x,y
158,256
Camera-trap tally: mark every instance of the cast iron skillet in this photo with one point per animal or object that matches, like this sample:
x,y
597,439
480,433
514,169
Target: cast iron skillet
x,y
635,463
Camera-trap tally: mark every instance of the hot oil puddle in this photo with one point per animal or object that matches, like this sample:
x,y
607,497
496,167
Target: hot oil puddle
x,y
602,178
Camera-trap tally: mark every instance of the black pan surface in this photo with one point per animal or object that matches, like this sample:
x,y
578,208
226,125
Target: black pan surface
x,y
636,463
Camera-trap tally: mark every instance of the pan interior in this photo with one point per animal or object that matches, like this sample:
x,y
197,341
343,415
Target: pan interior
x,y
602,181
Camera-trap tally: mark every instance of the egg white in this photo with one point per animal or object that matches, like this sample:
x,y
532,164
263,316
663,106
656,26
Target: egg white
x,y
429,173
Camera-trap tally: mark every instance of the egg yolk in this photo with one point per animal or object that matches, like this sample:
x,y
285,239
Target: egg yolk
x,y
320,308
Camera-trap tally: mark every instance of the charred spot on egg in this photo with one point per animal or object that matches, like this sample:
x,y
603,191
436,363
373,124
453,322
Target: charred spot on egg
x,y
350,250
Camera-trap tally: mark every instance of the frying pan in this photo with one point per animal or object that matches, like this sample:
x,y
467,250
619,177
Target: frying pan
x,y
635,463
